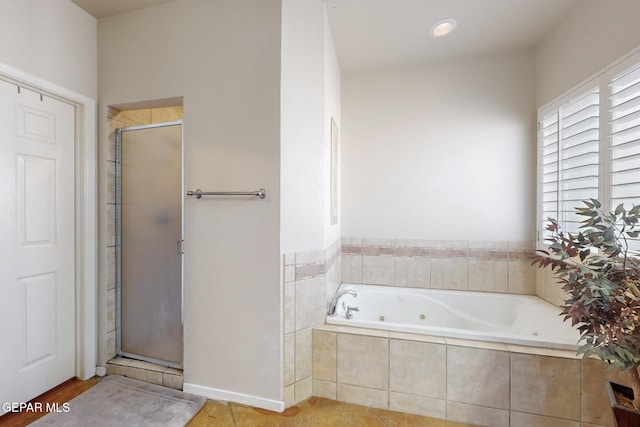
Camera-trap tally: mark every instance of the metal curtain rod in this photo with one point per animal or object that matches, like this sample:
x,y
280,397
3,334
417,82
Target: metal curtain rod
x,y
260,193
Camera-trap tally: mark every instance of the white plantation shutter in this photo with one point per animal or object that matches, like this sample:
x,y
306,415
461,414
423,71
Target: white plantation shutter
x,y
579,156
589,148
548,141
568,140
624,140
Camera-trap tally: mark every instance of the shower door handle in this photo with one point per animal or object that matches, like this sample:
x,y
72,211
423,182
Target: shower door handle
x,y
180,247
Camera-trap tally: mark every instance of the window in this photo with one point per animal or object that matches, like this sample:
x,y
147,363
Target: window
x,y
589,147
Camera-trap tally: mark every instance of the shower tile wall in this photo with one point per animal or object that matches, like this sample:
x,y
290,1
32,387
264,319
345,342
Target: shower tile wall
x,y
119,119
310,280
456,265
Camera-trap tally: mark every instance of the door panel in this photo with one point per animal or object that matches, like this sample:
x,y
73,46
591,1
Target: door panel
x,y
150,229
37,276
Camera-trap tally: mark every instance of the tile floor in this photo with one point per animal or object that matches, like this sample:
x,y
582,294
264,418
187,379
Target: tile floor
x,y
314,412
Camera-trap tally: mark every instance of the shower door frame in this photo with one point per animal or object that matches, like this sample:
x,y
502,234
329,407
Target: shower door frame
x,y
118,241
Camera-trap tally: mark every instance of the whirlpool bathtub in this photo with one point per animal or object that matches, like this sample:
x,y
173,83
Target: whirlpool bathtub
x,y
510,319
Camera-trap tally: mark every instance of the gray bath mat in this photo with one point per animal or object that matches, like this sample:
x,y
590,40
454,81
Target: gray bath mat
x,y
120,401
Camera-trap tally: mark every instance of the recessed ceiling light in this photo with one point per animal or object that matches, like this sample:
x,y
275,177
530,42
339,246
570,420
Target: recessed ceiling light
x,y
443,27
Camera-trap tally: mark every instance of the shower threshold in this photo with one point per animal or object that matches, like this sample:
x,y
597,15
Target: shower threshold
x,y
146,371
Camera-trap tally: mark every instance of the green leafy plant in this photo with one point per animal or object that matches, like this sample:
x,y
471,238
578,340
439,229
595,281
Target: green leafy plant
x,y
601,277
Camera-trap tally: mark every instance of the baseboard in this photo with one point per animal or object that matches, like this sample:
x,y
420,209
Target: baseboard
x,y
231,396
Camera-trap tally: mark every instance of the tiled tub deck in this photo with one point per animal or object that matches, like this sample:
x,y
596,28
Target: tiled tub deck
x,y
483,383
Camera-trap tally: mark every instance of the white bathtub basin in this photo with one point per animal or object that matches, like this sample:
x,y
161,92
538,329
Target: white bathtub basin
x,y
505,318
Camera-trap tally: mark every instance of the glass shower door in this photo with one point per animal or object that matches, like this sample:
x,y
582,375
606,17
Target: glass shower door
x,y
149,181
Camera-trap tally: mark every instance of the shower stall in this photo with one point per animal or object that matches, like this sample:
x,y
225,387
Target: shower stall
x,y
149,245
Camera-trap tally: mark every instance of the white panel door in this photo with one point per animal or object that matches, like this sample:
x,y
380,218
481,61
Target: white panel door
x,y
37,289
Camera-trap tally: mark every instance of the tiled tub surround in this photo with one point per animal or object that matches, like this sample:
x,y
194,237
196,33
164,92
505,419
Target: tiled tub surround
x,y
310,280
488,384
457,265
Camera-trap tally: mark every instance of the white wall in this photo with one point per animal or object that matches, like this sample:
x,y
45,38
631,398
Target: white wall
x,y
593,35
443,151
310,98
223,57
332,99
302,133
52,39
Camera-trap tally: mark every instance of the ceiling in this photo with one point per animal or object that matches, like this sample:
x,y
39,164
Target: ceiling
x,y
390,33
103,8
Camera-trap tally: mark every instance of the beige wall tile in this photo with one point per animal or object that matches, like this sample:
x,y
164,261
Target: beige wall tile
x,y
379,270
121,361
111,182
363,396
304,354
449,244
416,337
310,302
487,345
418,405
326,389
110,268
153,377
326,327
351,268
488,275
289,396
363,331
289,273
411,243
521,245
166,114
381,243
111,310
417,368
289,359
111,140
519,419
310,257
541,351
289,307
111,225
116,369
363,361
547,386
140,364
303,389
477,415
289,259
172,381
332,288
351,241
324,355
478,377
554,293
111,345
135,117
541,289
595,402
488,244
522,277
412,272
449,273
